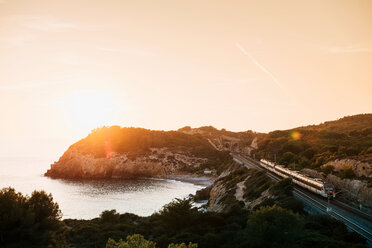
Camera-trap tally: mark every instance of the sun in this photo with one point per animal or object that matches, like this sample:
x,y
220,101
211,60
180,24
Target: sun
x,y
87,110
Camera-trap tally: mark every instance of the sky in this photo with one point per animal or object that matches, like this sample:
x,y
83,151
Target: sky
x,y
69,66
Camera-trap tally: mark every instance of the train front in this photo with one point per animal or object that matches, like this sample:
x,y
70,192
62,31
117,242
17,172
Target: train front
x,y
329,190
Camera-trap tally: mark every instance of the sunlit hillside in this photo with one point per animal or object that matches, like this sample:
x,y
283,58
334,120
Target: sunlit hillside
x,y
313,146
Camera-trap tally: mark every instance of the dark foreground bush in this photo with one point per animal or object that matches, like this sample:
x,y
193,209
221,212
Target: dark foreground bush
x,y
138,241
35,222
179,222
29,221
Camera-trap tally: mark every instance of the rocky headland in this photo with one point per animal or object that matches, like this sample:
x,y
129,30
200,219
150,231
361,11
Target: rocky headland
x,y
338,151
131,153
160,162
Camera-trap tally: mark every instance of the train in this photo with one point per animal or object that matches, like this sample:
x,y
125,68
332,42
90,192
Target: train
x,y
315,185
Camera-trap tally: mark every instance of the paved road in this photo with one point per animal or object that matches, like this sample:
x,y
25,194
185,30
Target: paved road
x,y
353,218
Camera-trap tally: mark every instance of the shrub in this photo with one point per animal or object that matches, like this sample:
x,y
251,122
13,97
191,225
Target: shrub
x,y
109,216
29,221
328,169
346,172
273,227
138,241
134,241
287,158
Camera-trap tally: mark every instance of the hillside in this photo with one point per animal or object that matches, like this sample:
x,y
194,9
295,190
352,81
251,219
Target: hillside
x,y
105,141
346,124
313,146
224,140
115,152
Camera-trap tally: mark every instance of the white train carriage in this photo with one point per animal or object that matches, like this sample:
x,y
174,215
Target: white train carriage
x,y
268,165
238,161
314,185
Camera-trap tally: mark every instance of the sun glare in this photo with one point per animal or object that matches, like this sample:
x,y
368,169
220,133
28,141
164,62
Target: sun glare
x,y
89,110
296,135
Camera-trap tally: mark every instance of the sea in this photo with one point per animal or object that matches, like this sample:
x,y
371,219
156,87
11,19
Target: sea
x,y
86,199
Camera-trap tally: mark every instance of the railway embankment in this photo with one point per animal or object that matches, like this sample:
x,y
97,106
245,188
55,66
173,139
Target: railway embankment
x,y
354,192
248,188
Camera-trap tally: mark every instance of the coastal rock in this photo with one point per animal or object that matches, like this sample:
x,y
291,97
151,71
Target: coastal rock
x,y
359,168
238,185
217,195
222,192
160,162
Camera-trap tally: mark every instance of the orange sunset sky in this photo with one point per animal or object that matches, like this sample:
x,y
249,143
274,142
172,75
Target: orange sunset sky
x,y
69,66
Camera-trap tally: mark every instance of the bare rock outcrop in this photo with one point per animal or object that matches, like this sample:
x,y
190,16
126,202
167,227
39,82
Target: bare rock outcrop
x,y
238,185
359,168
159,163
352,191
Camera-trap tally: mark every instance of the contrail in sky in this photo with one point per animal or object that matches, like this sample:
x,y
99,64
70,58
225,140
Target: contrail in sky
x,y
255,61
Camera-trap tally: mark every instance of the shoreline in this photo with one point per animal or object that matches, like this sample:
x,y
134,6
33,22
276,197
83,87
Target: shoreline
x,y
204,181
199,180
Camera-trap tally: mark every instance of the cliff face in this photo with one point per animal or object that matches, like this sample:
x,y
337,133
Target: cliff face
x,y
237,185
159,162
116,152
222,193
352,191
359,168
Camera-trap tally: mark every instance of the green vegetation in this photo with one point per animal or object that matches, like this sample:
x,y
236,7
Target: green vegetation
x,y
240,139
346,172
134,241
282,197
256,183
298,148
273,227
179,222
102,142
212,132
34,222
136,141
279,227
29,221
313,146
219,164
278,221
138,241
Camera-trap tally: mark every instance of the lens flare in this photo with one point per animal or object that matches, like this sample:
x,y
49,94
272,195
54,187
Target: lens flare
x,y
108,149
296,135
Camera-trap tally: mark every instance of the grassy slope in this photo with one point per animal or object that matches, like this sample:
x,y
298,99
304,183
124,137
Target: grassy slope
x,y
312,146
139,140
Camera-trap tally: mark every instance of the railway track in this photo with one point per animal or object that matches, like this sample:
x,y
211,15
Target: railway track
x,y
320,205
335,202
324,209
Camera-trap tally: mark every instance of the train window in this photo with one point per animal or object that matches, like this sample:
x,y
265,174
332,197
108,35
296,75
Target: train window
x,y
328,188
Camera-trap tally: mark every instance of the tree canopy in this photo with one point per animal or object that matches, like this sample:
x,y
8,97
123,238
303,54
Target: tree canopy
x,y
313,146
31,220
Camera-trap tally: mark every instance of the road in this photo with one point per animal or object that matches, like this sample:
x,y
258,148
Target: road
x,y
354,219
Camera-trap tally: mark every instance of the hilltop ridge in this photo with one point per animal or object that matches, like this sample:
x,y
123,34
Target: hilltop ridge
x,y
115,152
121,151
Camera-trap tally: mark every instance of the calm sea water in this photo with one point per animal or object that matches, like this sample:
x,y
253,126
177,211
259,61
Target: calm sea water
x,y
87,199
